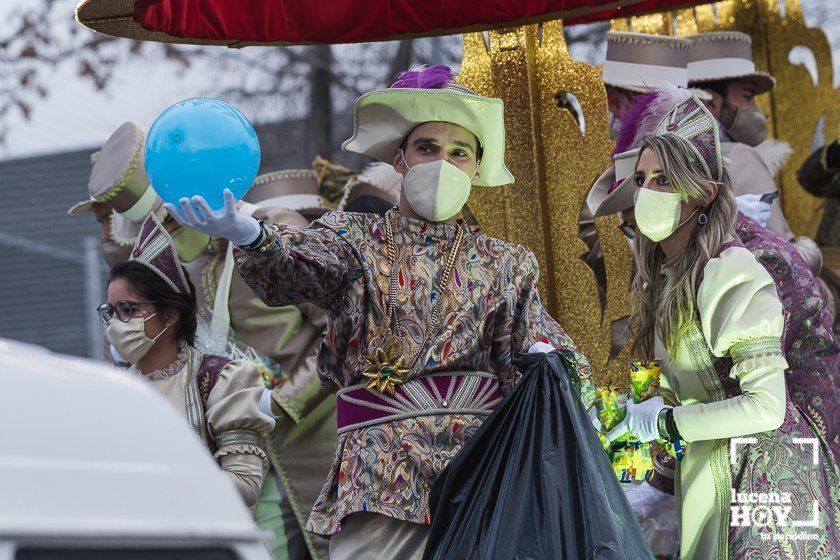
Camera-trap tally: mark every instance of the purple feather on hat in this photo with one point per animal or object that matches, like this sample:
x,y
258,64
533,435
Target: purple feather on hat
x,y
647,111
630,120
433,77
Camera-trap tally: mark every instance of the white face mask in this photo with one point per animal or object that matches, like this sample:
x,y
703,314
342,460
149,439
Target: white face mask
x,y
129,339
436,190
749,126
658,214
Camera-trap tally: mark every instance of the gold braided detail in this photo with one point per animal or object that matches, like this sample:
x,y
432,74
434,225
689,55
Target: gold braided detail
x,y
701,361
208,279
192,399
631,38
445,277
237,437
232,438
755,348
115,237
283,175
117,187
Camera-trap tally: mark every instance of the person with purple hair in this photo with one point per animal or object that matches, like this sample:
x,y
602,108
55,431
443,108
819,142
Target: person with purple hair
x,y
425,317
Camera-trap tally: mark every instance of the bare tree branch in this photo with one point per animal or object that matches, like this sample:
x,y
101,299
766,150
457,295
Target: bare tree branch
x,y
271,83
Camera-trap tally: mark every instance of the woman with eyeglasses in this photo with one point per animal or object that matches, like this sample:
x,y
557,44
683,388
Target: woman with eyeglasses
x,y
150,320
755,472
137,323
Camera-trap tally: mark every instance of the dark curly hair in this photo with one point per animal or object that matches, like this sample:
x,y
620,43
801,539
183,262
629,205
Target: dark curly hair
x,y
153,288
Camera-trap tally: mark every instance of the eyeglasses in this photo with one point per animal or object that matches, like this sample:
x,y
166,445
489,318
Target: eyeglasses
x,y
123,310
629,230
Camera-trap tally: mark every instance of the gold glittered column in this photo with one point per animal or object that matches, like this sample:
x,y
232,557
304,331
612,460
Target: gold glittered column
x,y
554,163
798,104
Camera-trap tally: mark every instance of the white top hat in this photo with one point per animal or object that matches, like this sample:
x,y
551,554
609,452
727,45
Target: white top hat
x,y
295,189
118,177
725,55
640,62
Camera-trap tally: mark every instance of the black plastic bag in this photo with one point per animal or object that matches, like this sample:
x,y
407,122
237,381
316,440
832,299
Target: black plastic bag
x,y
534,482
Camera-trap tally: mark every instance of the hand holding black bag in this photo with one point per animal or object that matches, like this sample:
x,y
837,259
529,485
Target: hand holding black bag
x,y
534,481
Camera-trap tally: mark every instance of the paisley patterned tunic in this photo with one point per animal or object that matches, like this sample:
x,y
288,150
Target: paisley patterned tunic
x,y
491,311
812,352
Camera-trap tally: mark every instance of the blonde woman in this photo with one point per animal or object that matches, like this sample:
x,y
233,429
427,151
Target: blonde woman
x,y
753,465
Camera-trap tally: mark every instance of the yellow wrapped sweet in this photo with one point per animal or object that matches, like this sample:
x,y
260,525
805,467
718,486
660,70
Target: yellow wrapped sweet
x,y
631,459
611,406
644,379
632,462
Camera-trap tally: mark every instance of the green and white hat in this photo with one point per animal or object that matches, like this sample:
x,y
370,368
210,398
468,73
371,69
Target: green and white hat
x,y
383,118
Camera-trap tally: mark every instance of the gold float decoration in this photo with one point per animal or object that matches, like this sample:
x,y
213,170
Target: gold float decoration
x,y
386,369
554,163
796,105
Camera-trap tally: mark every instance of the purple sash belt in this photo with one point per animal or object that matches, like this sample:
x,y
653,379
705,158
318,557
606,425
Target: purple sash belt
x,y
467,392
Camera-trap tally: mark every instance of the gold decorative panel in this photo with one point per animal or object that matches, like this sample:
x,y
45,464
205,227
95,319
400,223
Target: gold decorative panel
x,y
796,105
555,156
554,162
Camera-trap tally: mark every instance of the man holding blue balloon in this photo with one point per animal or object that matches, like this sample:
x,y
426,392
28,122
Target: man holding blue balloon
x,y
424,317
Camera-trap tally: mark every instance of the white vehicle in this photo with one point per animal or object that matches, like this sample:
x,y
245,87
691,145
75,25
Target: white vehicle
x,y
95,465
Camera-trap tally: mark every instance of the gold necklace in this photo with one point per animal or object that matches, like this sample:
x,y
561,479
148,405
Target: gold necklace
x,y
388,367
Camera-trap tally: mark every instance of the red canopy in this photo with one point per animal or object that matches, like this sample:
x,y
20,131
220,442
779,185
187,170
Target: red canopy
x,y
245,22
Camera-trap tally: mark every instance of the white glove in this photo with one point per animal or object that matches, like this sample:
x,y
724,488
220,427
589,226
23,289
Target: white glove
x,y
642,420
752,206
541,348
195,213
593,417
265,403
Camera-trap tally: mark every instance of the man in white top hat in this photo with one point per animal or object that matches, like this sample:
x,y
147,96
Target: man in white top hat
x,y
118,191
721,64
635,63
424,317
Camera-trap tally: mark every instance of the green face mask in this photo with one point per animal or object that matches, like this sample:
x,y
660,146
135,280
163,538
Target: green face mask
x,y
436,190
657,213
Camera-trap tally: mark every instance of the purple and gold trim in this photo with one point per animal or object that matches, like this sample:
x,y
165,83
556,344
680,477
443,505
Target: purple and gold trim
x,y
469,392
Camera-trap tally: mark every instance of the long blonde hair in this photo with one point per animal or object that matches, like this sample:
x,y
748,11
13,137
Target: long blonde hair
x,y
664,303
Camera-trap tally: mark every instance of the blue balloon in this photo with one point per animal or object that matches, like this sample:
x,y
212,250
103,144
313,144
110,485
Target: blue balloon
x,y
202,146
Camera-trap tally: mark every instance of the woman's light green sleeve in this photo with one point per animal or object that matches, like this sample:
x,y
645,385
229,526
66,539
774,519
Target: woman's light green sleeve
x,y
741,318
